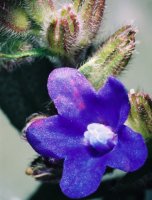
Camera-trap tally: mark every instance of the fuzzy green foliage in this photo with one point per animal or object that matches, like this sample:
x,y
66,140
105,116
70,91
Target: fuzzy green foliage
x,y
39,11
91,13
41,25
111,58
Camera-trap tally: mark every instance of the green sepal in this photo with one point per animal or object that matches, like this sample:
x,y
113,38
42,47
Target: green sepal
x,y
140,118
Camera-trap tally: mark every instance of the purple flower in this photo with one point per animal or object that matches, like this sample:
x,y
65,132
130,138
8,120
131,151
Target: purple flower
x,y
88,132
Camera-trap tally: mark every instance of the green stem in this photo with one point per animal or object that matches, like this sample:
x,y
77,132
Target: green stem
x,y
30,53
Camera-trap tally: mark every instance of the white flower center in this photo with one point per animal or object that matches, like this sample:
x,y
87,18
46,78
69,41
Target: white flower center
x,y
100,137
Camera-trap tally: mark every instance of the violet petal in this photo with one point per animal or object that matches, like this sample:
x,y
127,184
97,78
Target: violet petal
x,y
114,103
130,152
73,95
82,174
54,136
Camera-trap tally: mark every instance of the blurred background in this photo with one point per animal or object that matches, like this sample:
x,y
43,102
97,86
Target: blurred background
x,y
15,154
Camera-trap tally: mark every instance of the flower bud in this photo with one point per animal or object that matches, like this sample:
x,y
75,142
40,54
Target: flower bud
x,y
75,26
91,13
111,58
71,28
140,118
77,4
39,10
46,169
14,21
63,31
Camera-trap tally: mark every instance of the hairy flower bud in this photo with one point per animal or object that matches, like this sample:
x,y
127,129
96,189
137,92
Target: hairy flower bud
x,y
77,4
71,28
63,31
111,58
14,21
46,169
54,36
91,13
140,117
39,10
75,26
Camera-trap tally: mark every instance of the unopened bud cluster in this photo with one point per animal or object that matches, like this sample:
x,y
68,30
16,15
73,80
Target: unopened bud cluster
x,y
42,24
